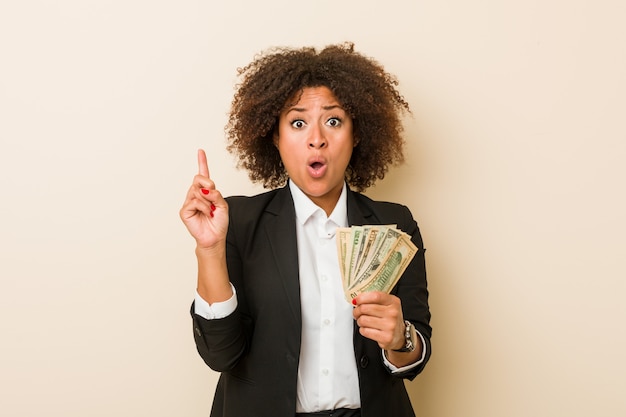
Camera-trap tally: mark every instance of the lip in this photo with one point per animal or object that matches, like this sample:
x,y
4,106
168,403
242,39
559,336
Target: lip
x,y
317,166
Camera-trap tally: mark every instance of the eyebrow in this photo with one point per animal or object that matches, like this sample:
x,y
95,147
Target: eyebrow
x,y
302,109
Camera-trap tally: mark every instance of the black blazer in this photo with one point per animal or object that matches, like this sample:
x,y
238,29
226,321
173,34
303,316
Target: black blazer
x,y
257,348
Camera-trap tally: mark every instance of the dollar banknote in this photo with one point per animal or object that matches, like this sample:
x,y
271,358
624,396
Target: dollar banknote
x,y
372,257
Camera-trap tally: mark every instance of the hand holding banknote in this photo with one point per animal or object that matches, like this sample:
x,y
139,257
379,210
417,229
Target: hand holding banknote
x,y
371,259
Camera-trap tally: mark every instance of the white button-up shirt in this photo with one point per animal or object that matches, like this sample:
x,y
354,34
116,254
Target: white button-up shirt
x,y
327,374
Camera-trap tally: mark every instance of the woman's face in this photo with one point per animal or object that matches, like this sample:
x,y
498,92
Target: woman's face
x,y
315,143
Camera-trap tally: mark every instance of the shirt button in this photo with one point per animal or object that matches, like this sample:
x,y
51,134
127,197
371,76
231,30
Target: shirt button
x,y
325,372
326,322
324,278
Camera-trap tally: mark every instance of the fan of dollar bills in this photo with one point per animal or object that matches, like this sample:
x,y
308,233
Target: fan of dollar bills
x,y
372,257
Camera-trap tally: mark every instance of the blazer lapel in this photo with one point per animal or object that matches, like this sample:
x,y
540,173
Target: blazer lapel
x,y
281,232
358,214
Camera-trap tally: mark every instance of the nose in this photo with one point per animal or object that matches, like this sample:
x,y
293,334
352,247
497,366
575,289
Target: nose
x,y
317,140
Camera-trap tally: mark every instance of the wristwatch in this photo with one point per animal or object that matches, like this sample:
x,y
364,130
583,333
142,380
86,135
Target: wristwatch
x,y
409,338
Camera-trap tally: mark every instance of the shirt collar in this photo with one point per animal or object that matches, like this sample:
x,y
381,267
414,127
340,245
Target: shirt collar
x,y
305,208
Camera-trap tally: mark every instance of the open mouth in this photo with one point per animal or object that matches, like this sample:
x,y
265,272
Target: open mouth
x,y
317,169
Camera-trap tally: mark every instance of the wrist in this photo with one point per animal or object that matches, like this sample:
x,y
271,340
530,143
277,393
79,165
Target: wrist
x,y
211,252
213,280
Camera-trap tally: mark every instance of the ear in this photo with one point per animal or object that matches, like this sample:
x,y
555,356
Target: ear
x,y
275,138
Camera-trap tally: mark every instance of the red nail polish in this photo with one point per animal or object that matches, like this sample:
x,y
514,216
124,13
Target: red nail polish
x,y
211,213
354,301
212,206
205,191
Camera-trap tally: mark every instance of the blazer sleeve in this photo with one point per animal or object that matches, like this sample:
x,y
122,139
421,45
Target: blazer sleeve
x,y
413,291
222,342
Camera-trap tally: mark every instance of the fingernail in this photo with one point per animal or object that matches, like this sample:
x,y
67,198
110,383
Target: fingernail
x,y
354,301
212,206
205,191
211,213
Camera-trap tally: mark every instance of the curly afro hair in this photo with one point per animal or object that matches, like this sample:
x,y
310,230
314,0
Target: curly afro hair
x,y
361,85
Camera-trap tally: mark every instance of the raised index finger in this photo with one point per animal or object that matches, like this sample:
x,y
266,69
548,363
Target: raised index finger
x,y
203,166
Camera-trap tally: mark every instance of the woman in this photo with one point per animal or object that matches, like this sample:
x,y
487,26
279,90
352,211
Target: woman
x,y
270,312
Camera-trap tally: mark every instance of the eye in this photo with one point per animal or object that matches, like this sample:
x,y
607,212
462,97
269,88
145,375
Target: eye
x,y
334,122
297,124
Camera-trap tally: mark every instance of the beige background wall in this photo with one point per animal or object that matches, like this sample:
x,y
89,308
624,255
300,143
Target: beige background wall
x,y
515,171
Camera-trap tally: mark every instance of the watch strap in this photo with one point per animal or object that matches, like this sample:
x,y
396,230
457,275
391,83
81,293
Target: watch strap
x,y
409,343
